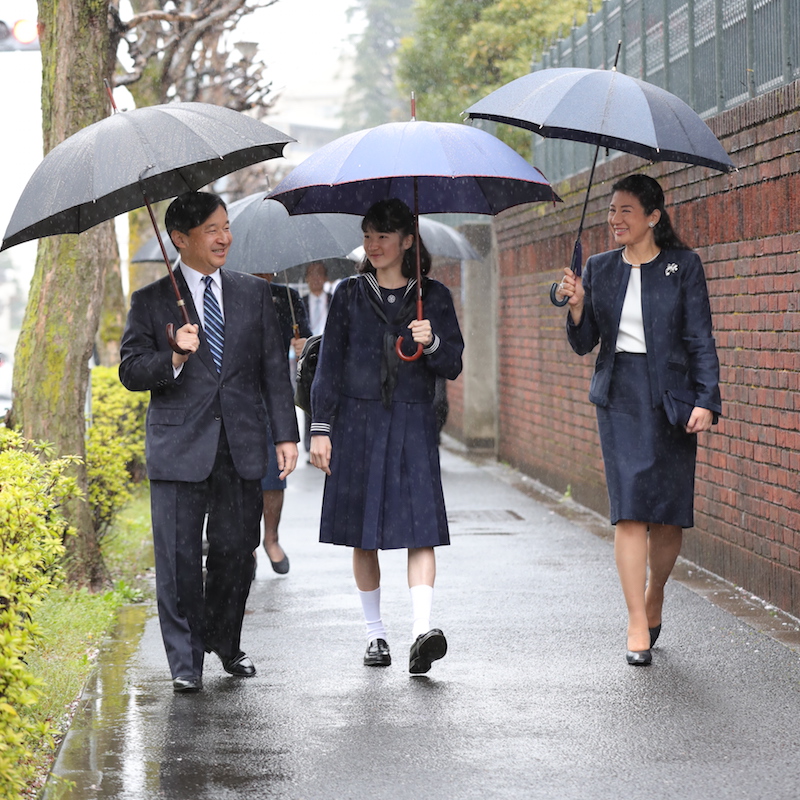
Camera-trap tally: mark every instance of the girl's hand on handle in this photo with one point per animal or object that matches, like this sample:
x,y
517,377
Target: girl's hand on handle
x,y
572,287
421,332
321,452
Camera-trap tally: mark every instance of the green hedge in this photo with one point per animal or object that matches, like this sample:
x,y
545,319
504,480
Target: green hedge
x,y
32,488
114,446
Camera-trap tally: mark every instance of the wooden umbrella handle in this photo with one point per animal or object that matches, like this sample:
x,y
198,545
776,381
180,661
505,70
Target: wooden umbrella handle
x,y
399,342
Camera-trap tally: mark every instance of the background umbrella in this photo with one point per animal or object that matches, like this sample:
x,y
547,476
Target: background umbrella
x,y
432,167
133,158
607,109
337,268
439,239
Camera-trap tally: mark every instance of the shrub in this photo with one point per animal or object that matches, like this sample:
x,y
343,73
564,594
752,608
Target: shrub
x,y
32,528
114,446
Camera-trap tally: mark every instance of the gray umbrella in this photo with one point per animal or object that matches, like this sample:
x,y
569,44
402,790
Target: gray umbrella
x,y
267,239
133,159
158,152
607,109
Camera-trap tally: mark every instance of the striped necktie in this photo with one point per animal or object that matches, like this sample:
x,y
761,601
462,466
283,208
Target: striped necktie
x,y
212,323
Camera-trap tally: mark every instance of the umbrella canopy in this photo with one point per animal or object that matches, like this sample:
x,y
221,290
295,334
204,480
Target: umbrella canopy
x,y
456,168
267,239
431,166
608,109
157,152
439,239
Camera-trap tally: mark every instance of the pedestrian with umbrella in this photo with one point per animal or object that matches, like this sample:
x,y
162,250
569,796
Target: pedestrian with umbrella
x,y
655,385
389,332
383,489
207,441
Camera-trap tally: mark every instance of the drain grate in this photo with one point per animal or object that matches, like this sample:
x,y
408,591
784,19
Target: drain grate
x,y
483,515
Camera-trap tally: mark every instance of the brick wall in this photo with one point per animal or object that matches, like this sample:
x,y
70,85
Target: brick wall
x,y
746,228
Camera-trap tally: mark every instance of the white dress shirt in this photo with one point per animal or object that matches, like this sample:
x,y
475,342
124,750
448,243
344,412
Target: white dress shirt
x,y
630,338
197,288
317,312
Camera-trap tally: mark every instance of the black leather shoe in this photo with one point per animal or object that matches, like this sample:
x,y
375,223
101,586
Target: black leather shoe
x,y
654,634
240,665
639,658
187,685
282,566
377,654
428,647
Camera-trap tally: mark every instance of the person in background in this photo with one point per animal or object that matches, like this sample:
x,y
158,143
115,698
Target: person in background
x,y
374,430
317,303
272,485
646,303
206,437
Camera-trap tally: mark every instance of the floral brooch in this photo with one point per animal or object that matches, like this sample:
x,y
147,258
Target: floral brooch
x,y
670,269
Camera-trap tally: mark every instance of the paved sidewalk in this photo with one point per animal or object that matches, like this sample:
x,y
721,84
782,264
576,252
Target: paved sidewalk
x,y
533,700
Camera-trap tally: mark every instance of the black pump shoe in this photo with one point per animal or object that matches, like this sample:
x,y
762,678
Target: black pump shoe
x,y
654,633
639,658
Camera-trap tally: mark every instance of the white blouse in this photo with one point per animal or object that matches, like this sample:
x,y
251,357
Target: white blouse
x,y
630,338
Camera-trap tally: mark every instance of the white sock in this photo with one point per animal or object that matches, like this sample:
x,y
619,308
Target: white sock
x,y
421,604
371,605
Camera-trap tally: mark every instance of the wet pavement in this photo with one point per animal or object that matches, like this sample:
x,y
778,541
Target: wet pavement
x,y
533,700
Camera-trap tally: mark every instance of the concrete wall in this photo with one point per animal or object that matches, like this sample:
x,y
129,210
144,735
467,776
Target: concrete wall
x,y
746,228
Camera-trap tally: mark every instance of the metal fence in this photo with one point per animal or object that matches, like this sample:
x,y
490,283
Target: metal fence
x,y
713,54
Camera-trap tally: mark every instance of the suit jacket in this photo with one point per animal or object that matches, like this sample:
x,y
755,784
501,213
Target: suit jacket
x,y
284,312
186,413
681,352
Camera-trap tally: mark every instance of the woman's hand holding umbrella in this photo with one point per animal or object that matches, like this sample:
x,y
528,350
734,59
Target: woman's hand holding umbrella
x,y
571,287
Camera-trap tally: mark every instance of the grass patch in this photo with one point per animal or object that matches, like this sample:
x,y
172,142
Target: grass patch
x,y
74,623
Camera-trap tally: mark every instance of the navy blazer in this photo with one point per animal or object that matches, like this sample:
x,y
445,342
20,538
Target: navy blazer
x,y
186,414
681,352
351,351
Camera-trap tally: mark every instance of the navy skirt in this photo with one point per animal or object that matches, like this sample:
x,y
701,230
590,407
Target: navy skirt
x,y
649,463
385,487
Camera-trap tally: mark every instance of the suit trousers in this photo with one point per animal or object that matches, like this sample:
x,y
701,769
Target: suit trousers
x,y
194,618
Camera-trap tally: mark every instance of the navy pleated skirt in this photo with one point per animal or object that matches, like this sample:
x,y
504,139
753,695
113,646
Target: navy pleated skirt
x,y
385,487
650,464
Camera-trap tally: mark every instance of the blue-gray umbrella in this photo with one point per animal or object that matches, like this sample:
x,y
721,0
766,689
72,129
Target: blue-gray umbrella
x,y
431,166
607,109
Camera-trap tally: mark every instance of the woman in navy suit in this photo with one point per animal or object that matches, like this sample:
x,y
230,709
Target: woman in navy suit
x,y
647,304
373,429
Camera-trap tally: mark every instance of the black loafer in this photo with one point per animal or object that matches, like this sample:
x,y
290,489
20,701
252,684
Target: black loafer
x,y
377,654
187,685
428,647
654,633
240,665
639,658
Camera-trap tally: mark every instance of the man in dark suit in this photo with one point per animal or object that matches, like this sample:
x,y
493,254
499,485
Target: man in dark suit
x,y
206,446
317,302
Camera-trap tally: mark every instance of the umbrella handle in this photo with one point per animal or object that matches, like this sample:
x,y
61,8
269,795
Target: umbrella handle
x,y
403,357
172,343
554,297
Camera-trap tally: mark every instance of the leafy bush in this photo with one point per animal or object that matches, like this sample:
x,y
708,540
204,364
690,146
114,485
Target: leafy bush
x,y
114,446
32,488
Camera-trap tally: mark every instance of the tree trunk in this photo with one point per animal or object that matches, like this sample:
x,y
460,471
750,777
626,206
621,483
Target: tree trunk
x,y
51,371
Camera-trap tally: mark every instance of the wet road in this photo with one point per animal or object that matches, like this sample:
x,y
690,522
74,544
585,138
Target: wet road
x,y
533,700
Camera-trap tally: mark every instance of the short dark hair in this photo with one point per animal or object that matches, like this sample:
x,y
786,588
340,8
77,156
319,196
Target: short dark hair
x,y
649,193
191,209
394,216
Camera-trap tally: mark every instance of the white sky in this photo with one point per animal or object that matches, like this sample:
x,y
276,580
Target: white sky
x,y
300,40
